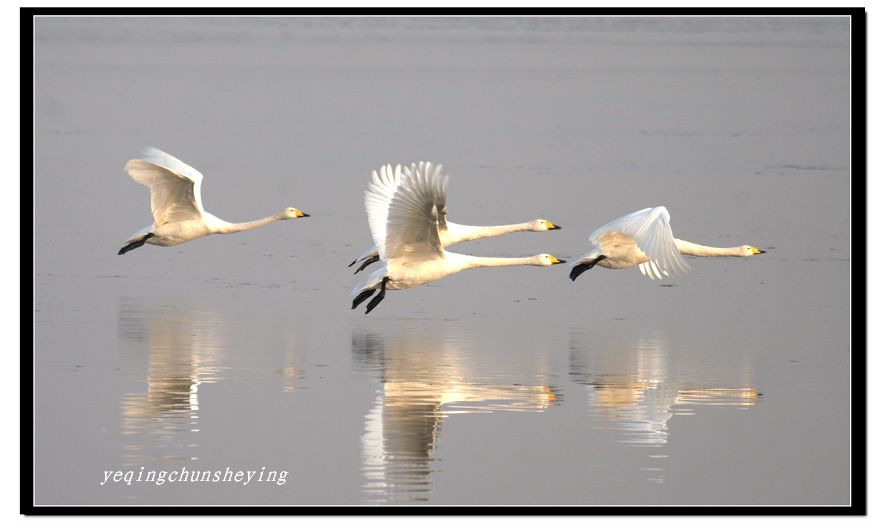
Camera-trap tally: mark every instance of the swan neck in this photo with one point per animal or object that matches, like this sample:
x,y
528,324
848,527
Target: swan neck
x,y
693,249
231,228
478,261
469,233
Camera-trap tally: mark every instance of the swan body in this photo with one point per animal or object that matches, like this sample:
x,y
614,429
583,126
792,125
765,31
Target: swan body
x,y
406,227
644,239
177,206
387,180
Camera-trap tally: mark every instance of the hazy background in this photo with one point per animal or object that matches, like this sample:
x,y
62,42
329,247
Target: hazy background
x,y
493,386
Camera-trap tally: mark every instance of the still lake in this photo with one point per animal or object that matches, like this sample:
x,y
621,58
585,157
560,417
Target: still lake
x,y
728,385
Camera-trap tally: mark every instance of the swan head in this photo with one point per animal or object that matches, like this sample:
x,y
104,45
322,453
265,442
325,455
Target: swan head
x,y
545,260
543,225
749,250
293,213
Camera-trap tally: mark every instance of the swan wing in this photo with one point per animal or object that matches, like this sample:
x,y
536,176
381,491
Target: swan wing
x,y
413,218
382,185
163,159
175,186
650,228
434,172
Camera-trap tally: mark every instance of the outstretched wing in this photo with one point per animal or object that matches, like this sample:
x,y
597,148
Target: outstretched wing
x,y
163,159
650,228
382,186
174,185
414,214
434,172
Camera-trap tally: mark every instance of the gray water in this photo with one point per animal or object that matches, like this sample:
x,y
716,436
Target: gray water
x,y
729,385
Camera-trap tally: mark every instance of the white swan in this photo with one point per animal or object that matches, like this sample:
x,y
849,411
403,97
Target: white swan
x,y
387,180
178,211
644,238
406,228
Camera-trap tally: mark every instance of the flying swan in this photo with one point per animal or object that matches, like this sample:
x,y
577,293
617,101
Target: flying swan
x,y
406,227
178,211
387,180
644,238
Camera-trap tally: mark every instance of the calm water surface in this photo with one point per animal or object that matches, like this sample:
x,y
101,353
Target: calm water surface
x,y
729,385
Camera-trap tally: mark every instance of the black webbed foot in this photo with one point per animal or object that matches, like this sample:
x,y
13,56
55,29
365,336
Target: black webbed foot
x,y
134,244
377,300
360,298
580,268
367,263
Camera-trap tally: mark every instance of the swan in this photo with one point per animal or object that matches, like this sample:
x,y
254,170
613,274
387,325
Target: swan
x,y
387,181
178,211
406,229
644,238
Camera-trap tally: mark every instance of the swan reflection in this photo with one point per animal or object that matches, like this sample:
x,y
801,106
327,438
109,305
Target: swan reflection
x,y
424,381
290,374
183,347
633,387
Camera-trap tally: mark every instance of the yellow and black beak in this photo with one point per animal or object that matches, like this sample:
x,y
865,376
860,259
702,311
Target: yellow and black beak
x,y
551,226
556,261
757,251
299,213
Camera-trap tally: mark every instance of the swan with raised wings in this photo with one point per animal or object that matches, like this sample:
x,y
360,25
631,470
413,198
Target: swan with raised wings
x,y
406,227
644,238
176,205
386,182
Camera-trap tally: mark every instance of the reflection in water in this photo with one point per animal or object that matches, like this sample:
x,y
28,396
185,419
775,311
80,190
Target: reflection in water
x,y
289,372
183,347
425,379
633,389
